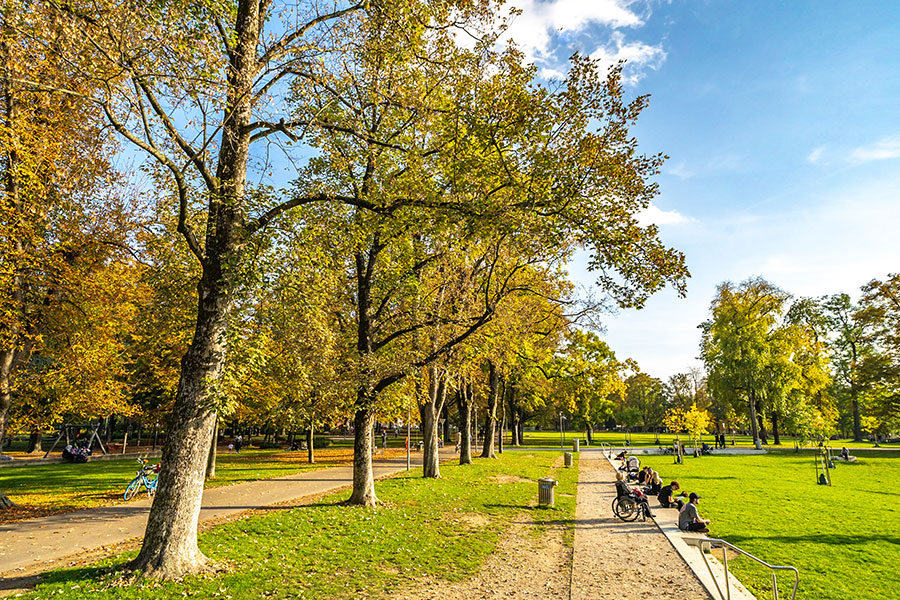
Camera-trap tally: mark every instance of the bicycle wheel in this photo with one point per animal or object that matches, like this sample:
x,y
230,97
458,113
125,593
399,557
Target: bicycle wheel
x,y
132,489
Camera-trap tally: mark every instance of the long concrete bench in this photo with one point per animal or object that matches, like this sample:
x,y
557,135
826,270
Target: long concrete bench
x,y
687,544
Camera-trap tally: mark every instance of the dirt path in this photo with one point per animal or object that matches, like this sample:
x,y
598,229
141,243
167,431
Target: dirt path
x,y
614,560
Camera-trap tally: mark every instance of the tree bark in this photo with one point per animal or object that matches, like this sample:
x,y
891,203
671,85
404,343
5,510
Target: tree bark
x,y
465,424
754,427
363,478
490,420
310,439
170,546
213,447
762,429
857,427
589,434
34,443
776,435
110,429
437,394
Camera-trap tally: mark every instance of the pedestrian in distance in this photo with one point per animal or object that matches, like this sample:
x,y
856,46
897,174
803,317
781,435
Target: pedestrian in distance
x,y
458,441
238,442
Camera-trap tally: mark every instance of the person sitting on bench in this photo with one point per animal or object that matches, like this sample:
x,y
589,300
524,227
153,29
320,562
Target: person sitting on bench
x,y
667,496
644,476
654,487
689,519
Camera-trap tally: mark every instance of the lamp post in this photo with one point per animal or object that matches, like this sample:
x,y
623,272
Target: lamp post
x,y
562,442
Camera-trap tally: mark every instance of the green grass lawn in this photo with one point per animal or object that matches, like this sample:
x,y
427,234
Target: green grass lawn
x,y
60,487
426,527
617,438
845,539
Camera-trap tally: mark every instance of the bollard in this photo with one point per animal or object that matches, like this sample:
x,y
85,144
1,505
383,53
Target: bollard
x,y
575,443
545,491
567,457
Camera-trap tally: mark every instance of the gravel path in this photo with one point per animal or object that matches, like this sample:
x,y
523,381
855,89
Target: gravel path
x,y
615,560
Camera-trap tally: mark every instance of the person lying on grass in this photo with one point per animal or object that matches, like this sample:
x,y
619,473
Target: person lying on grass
x,y
666,496
689,519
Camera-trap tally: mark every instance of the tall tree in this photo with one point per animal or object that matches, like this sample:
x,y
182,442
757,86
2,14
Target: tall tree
x,y
737,344
849,347
224,80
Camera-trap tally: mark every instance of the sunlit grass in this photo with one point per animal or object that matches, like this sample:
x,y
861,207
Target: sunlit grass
x,y
425,527
60,487
845,539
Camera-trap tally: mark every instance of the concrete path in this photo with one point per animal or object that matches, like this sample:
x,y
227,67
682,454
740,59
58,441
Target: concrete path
x,y
41,544
617,560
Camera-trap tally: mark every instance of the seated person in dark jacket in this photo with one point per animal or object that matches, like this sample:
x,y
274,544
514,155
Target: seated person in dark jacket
x,y
689,519
644,476
667,496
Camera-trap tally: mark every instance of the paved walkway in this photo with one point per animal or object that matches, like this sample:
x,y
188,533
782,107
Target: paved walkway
x,y
41,544
617,560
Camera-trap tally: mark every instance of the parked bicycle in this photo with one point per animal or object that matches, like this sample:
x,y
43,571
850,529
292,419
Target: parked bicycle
x,y
147,477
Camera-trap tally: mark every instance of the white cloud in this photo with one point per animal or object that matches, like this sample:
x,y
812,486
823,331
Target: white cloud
x,y
885,148
540,20
653,215
816,156
680,170
639,56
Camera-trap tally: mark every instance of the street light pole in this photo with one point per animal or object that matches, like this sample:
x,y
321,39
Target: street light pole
x,y
562,443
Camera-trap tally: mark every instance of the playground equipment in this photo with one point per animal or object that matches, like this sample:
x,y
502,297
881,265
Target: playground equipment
x,y
71,431
824,464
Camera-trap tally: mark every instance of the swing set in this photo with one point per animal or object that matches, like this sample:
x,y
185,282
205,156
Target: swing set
x,y
824,464
72,432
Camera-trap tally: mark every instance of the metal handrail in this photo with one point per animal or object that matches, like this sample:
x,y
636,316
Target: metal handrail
x,y
725,545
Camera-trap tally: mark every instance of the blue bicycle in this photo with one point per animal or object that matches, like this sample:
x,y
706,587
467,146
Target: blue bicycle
x,y
147,477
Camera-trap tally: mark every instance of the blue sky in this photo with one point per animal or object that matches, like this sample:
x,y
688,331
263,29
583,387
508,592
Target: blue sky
x,y
782,123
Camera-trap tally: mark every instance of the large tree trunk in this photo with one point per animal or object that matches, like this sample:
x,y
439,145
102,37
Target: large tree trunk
x,y
14,205
213,447
589,433
490,420
34,443
465,424
437,394
762,429
170,542
857,428
754,426
310,439
776,435
363,478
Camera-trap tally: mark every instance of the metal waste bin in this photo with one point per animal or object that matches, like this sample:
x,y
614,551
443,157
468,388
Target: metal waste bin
x,y
545,491
567,457
575,443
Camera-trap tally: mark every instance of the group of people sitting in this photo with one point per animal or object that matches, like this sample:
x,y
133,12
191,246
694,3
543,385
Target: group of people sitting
x,y
688,516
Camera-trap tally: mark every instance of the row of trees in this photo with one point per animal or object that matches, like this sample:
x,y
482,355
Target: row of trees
x,y
407,251
809,365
